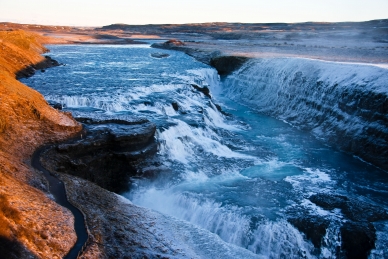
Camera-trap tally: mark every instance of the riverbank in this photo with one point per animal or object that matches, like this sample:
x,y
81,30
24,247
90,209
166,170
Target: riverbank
x,y
116,228
32,223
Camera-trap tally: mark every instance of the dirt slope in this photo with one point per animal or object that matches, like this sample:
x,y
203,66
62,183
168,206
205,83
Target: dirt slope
x,y
31,224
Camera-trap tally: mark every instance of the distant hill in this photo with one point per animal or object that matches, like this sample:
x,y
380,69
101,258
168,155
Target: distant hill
x,y
204,28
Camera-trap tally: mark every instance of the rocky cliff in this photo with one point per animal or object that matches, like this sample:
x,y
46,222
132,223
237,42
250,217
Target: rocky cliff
x,y
32,225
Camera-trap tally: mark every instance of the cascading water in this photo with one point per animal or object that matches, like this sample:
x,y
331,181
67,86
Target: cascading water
x,y
225,168
345,104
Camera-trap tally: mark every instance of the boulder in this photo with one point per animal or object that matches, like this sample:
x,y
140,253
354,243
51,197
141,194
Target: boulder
x,y
358,239
205,90
314,227
175,106
159,55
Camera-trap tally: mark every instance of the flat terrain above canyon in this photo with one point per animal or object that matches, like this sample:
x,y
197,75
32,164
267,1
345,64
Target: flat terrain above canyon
x,y
365,42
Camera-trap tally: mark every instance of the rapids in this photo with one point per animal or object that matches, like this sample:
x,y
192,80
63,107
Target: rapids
x,y
245,162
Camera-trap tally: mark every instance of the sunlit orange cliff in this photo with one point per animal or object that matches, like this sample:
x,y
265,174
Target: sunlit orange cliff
x,y
31,223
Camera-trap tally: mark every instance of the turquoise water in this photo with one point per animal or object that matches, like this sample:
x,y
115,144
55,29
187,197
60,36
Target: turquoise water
x,y
237,173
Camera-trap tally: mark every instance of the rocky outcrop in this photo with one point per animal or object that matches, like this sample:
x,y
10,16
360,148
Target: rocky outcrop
x,y
357,233
30,70
171,44
117,228
108,153
201,55
224,64
227,64
312,226
159,55
205,90
358,239
353,209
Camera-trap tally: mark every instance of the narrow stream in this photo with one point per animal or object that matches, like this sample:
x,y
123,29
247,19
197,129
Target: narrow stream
x,y
58,190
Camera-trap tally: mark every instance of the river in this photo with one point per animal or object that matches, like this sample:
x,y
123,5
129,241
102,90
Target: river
x,y
231,165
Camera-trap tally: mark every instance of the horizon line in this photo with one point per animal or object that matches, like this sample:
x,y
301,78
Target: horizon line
x,y
148,24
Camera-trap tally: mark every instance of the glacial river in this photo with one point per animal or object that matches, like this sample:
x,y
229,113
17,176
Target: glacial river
x,y
226,167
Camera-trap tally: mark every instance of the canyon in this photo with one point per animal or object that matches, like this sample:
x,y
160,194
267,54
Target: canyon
x,y
95,158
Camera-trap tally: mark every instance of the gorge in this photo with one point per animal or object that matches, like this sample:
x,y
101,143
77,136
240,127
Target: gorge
x,y
249,165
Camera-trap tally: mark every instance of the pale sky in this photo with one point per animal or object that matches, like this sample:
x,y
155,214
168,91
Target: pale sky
x,y
105,12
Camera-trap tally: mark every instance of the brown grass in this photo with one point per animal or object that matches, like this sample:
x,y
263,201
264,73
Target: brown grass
x,y
19,49
36,113
7,211
24,40
27,216
7,214
3,125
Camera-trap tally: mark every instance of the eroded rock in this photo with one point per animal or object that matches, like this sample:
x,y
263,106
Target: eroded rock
x,y
30,70
205,90
353,209
160,55
313,227
358,239
107,153
357,233
227,64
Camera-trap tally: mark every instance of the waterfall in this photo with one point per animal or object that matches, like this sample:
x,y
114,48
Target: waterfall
x,y
228,181
343,104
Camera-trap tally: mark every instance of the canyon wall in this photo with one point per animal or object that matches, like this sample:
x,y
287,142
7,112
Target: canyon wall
x,y
342,104
31,223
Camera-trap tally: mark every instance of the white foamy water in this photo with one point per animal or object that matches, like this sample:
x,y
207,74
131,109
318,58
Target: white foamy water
x,y
231,178
267,239
178,142
337,102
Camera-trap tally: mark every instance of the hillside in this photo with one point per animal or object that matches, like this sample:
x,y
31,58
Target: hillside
x,y
31,223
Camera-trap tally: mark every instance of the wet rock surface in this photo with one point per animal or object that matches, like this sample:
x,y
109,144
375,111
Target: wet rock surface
x,y
357,233
175,106
358,239
205,90
55,105
313,227
227,64
30,70
353,209
117,228
201,55
160,55
107,152
224,64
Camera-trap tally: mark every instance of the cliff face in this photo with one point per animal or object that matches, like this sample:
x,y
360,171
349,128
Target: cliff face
x,y
344,105
31,224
